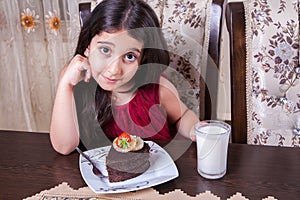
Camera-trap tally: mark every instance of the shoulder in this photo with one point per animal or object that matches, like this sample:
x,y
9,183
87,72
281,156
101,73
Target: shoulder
x,y
169,100
167,91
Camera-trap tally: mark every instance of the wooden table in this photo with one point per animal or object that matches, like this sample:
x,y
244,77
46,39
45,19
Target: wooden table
x,y
30,165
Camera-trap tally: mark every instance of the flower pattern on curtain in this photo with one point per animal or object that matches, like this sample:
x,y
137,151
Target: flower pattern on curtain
x,y
38,38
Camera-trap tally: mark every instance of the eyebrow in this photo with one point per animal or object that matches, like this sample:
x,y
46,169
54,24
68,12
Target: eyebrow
x,y
105,42
135,49
112,44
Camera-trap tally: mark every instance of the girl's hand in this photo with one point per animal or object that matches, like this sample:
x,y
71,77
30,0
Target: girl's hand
x,y
192,133
78,69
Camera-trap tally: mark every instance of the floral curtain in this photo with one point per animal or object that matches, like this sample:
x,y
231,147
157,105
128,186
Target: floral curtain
x,y
37,39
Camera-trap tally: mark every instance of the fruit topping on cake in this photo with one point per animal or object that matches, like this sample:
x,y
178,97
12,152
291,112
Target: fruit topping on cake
x,y
126,142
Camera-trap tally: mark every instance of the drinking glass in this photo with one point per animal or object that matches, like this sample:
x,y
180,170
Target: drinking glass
x,y
212,137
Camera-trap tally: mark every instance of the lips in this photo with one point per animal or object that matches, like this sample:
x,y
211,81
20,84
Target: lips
x,y
109,80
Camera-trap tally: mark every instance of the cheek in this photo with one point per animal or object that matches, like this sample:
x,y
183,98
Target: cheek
x,y
97,64
130,71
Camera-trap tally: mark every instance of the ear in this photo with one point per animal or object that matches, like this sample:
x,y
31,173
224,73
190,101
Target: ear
x,y
87,51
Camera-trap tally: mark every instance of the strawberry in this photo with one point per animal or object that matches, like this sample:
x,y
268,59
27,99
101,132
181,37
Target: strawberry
x,y
123,140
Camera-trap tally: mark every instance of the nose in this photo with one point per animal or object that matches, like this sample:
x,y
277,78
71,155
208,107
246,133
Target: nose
x,y
115,67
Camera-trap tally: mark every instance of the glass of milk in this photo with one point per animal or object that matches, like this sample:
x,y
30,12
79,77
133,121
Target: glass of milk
x,y
212,144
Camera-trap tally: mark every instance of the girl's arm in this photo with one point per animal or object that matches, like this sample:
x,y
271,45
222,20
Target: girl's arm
x,y
177,111
64,131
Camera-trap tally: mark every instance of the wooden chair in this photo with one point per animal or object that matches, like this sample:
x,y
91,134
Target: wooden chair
x,y
84,11
208,96
235,21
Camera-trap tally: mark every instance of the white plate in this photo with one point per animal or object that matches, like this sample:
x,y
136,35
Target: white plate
x,y
162,169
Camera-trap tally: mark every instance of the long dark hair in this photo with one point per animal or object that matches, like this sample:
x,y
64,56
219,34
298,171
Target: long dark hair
x,y
138,18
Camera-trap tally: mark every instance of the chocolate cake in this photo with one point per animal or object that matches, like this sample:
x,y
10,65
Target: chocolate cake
x,y
122,166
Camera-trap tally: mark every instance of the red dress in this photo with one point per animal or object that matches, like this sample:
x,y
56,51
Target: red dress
x,y
142,116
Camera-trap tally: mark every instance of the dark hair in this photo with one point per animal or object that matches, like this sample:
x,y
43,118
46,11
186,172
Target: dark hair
x,y
141,22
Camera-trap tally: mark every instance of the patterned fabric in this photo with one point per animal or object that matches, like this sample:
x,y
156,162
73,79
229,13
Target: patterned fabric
x,y
37,38
64,191
273,72
185,24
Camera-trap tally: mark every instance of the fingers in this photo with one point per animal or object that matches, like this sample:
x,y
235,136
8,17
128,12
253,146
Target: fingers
x,y
192,133
193,138
85,71
83,66
88,75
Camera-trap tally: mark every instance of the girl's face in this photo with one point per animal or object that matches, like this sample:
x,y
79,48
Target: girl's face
x,y
114,59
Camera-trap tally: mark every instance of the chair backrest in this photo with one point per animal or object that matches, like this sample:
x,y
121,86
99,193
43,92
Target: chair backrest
x,y
265,72
208,107
235,21
188,65
84,11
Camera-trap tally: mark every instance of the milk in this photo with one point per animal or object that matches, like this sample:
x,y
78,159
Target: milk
x,y
212,145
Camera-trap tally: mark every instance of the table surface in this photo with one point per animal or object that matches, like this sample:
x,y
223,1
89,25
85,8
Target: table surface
x,y
29,165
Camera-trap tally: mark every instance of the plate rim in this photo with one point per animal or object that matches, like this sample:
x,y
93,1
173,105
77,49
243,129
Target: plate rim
x,y
115,188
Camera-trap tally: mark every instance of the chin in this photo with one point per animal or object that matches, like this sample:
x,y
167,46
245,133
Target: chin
x,y
107,88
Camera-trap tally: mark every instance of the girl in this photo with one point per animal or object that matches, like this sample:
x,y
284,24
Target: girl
x,y
121,54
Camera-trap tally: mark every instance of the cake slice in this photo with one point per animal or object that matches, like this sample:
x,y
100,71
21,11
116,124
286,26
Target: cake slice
x,y
128,158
